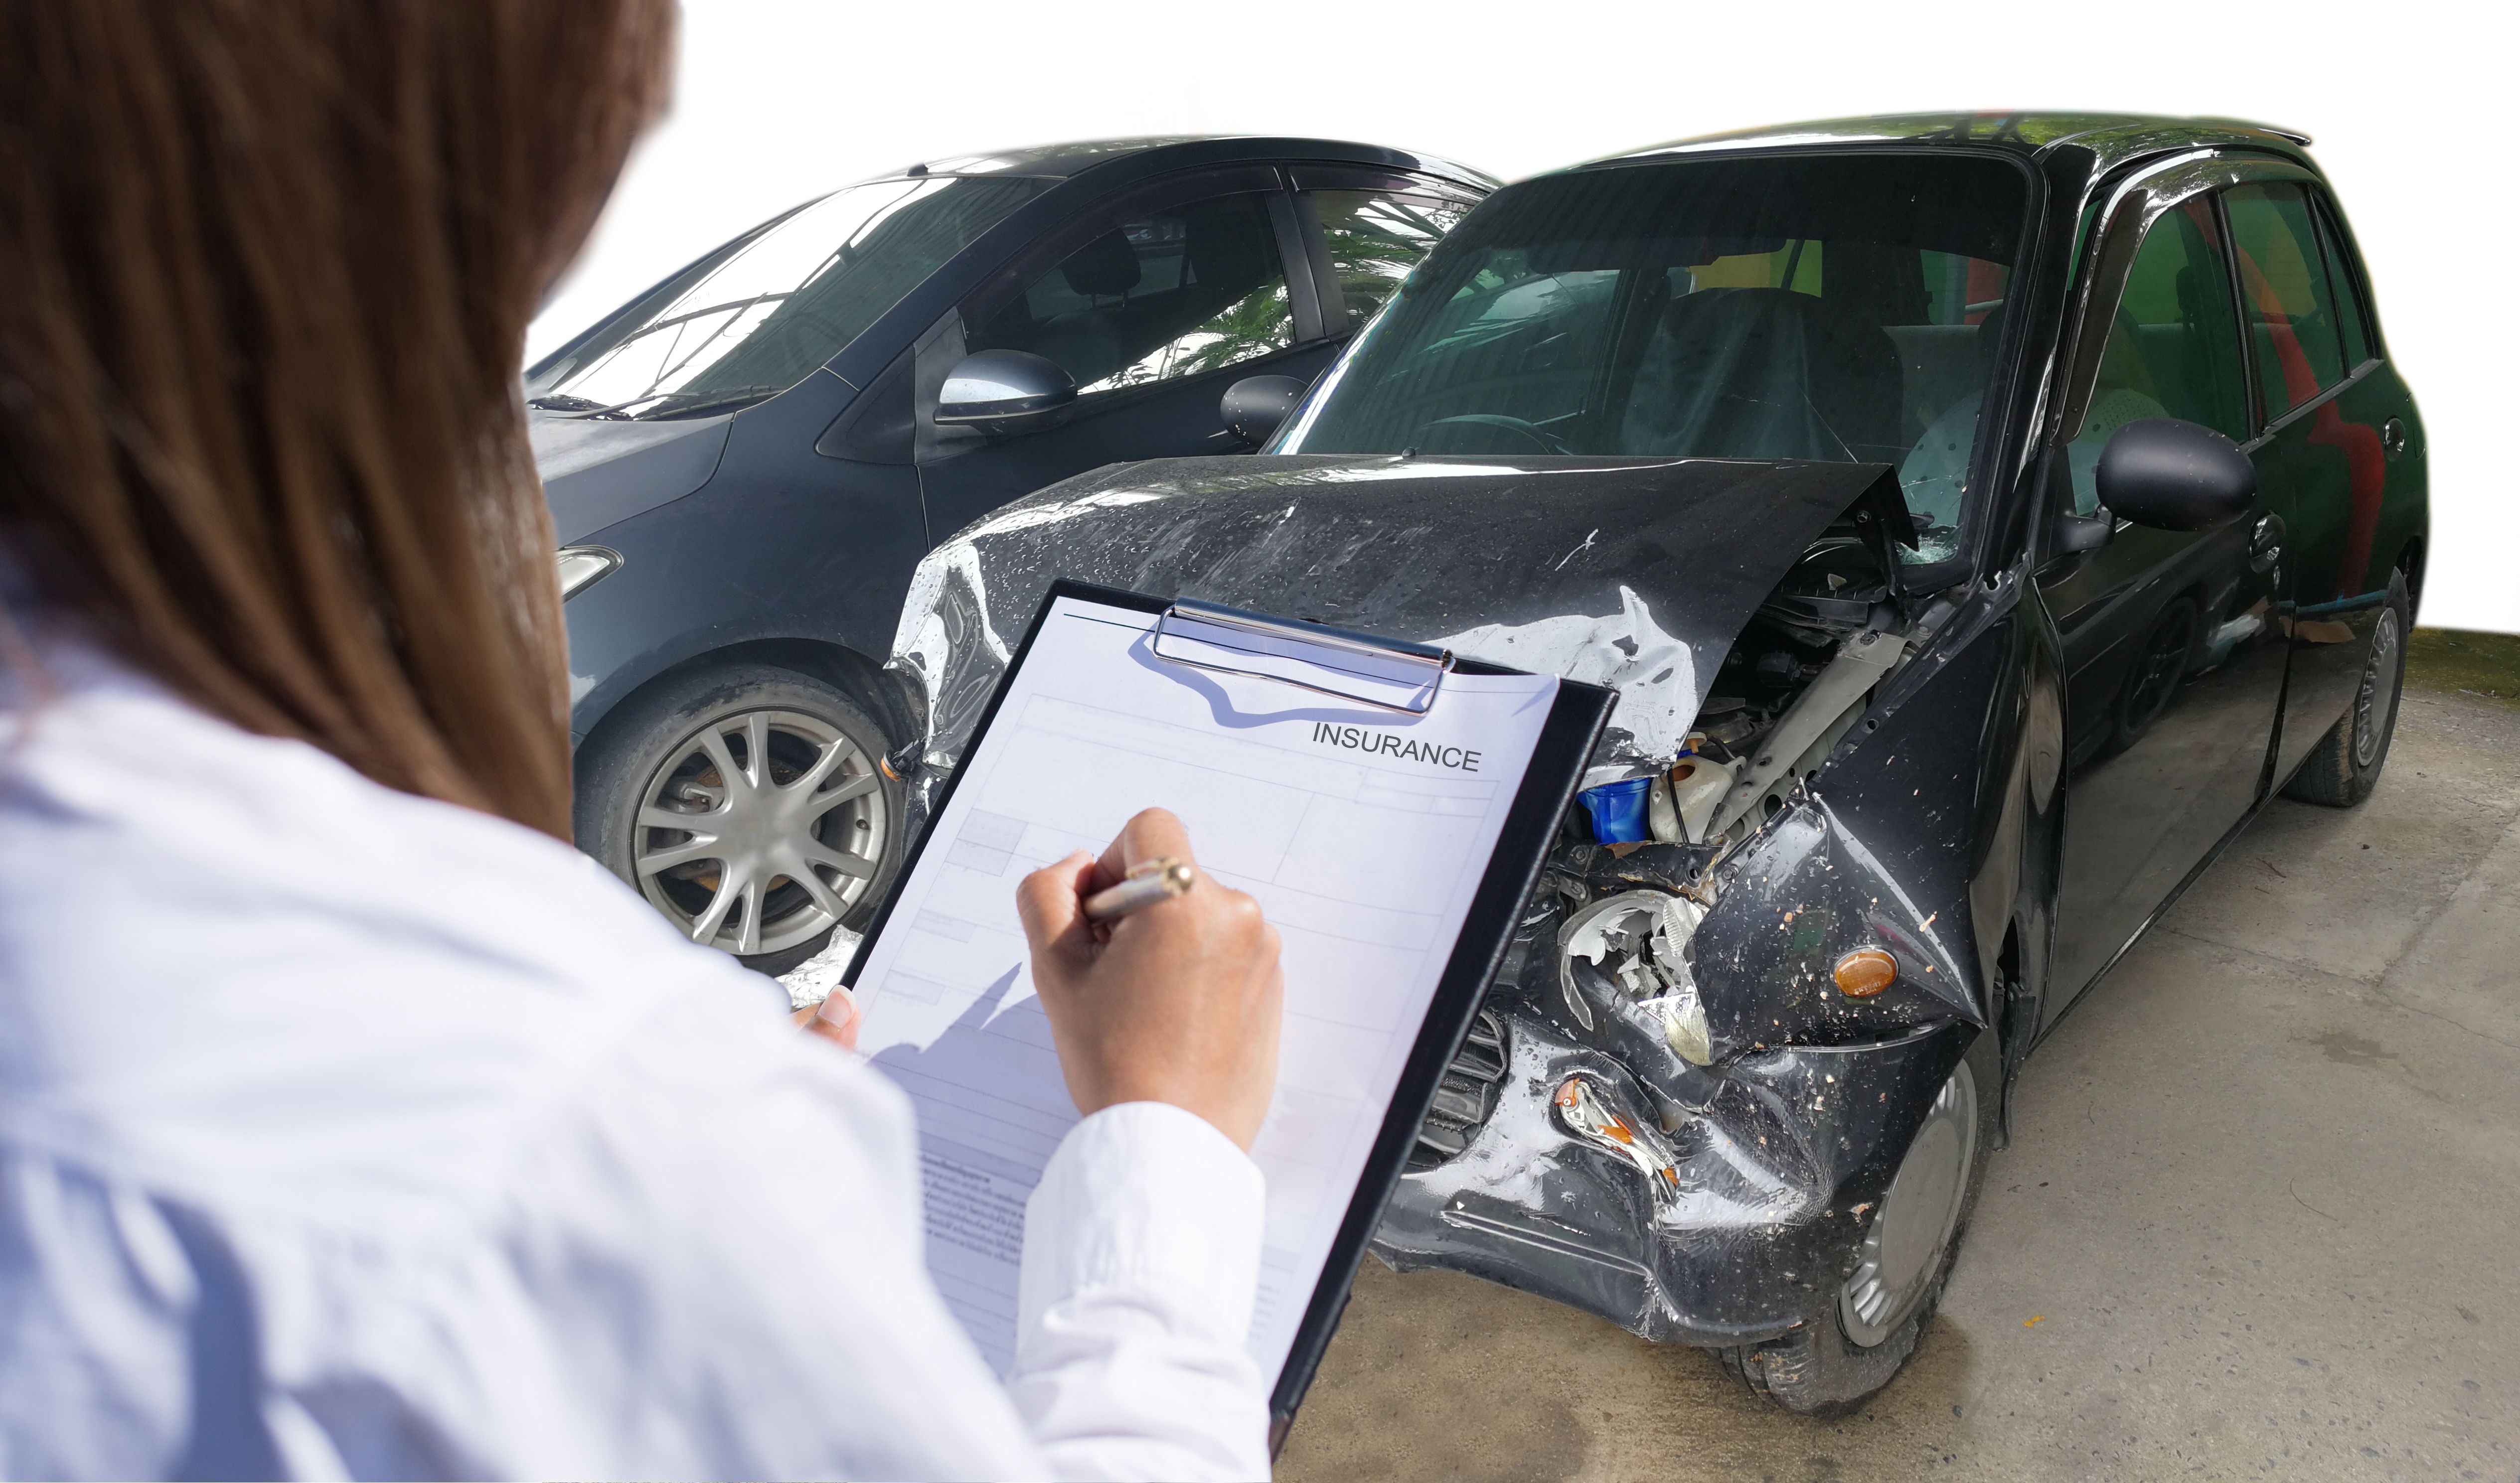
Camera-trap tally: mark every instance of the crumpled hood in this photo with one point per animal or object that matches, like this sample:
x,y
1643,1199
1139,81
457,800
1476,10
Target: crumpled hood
x,y
1636,573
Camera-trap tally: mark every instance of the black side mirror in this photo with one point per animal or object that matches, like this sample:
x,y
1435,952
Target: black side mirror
x,y
1257,406
2174,476
1006,392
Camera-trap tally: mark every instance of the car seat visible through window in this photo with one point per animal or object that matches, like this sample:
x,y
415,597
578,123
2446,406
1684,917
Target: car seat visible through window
x,y
1764,373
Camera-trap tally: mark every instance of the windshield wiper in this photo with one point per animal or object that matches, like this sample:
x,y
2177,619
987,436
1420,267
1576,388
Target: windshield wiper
x,y
672,404
740,396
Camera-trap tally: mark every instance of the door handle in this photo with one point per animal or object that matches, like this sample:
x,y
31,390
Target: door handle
x,y
2265,542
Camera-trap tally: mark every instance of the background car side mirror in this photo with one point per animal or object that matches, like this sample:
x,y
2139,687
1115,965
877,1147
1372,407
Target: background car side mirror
x,y
1257,406
1006,392
2174,476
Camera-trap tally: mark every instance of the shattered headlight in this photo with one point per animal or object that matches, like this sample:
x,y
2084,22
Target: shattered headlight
x,y
1630,952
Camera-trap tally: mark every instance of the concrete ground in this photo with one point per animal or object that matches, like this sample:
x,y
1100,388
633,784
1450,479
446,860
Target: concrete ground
x,y
2257,1219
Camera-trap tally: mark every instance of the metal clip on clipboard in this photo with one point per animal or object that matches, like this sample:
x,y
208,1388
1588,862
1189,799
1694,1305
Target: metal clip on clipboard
x,y
1382,673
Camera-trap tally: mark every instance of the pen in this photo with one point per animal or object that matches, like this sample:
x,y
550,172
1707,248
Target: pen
x,y
1150,882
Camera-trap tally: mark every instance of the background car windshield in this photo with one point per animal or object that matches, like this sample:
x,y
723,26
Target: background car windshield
x,y
1843,308
791,300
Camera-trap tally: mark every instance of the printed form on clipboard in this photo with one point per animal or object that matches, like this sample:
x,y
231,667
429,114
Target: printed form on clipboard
x,y
1357,790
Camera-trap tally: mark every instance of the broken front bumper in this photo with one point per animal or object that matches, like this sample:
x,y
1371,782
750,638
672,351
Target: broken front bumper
x,y
1749,1233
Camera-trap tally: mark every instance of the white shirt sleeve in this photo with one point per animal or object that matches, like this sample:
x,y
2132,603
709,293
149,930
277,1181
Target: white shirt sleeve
x,y
796,1264
1142,1254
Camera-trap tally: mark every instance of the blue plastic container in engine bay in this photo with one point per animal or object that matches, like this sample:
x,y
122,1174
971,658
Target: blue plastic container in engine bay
x,y
1618,810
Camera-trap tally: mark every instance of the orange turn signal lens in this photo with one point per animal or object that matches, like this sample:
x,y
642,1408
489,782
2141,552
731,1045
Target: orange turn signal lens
x,y
1865,971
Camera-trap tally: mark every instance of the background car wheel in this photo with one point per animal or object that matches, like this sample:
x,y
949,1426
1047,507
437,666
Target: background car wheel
x,y
1833,1364
2341,769
748,805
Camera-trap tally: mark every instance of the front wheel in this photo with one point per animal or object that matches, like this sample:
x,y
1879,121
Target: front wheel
x,y
748,805
2341,770
1833,1364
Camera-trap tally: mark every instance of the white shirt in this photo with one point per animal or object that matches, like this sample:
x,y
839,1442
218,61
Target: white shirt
x,y
344,1131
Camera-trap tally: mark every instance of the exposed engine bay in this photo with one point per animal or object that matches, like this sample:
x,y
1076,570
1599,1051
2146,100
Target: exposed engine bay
x,y
1675,1109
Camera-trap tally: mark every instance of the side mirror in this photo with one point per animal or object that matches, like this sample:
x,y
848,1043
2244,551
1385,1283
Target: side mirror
x,y
1256,406
2174,476
1006,392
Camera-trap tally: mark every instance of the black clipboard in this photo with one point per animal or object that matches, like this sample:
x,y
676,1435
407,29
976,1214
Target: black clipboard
x,y
1549,783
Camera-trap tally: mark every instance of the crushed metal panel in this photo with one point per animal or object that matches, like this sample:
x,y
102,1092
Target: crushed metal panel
x,y
1607,557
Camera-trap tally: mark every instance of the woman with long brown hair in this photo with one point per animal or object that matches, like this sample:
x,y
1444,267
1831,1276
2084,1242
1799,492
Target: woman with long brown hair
x,y
317,1155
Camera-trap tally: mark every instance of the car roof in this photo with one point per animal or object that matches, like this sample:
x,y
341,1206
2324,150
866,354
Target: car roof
x,y
2113,137
1060,162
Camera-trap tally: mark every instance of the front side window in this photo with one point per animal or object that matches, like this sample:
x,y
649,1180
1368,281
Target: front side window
x,y
1834,307
1166,295
2292,306
768,315
1376,238
2172,346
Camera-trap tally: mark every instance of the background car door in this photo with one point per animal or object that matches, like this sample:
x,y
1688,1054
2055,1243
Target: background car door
x,y
2174,660
1155,304
2328,399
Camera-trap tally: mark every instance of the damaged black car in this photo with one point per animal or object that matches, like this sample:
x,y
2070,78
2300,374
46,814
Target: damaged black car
x,y
1980,518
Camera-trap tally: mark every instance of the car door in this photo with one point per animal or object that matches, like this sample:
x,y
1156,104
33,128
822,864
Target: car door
x,y
2328,399
1155,304
2172,649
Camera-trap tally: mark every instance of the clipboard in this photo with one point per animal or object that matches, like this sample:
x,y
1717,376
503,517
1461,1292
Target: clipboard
x,y
1404,680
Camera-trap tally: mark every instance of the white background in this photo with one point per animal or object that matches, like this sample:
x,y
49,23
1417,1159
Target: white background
x,y
778,100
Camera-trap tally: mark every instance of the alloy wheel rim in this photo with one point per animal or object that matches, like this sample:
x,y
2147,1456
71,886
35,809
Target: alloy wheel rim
x,y
758,829
1904,1248
2375,705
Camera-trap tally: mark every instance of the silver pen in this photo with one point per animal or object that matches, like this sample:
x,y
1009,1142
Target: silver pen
x,y
1150,882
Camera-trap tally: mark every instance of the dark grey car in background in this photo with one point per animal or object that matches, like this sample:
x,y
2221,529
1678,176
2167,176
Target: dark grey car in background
x,y
745,462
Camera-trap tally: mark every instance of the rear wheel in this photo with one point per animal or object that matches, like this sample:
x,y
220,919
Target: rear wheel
x,y
2341,770
1833,1364
748,805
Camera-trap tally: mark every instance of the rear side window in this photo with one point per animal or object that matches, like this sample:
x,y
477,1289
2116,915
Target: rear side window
x,y
2350,315
2172,346
1158,296
2292,304
1376,237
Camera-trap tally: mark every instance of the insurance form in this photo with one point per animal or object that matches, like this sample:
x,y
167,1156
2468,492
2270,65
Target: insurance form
x,y
1362,833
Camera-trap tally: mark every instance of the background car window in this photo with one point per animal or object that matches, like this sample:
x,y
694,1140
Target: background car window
x,y
1377,237
2292,314
1837,308
2172,346
1172,294
764,319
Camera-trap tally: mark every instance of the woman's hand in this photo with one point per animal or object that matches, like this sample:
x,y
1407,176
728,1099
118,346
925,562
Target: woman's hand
x,y
836,1019
1178,1003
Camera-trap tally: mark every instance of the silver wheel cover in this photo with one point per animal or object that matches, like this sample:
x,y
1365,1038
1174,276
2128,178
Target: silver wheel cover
x,y
1913,1227
2375,705
758,829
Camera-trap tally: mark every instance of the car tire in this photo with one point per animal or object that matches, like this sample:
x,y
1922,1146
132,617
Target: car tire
x,y
734,876
1838,1360
2341,770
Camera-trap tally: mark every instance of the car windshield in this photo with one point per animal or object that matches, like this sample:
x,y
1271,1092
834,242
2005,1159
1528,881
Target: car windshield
x,y
760,321
1840,307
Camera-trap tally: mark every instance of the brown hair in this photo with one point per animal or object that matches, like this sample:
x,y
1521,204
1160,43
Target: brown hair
x,y
265,272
